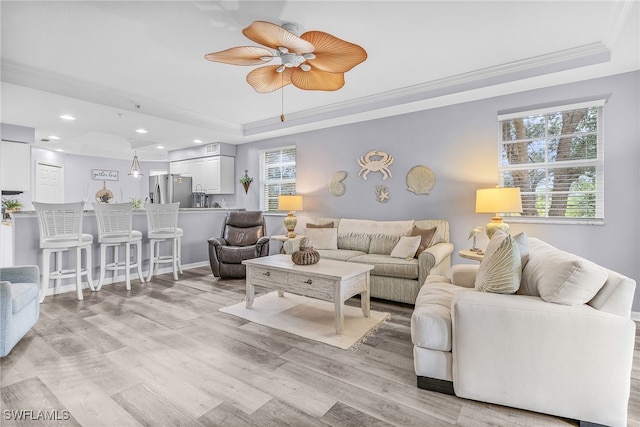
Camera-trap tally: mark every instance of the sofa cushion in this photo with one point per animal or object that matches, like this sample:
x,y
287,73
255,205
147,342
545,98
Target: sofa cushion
x,y
431,318
327,225
339,254
501,268
426,237
354,242
236,254
406,247
323,238
383,244
560,277
384,265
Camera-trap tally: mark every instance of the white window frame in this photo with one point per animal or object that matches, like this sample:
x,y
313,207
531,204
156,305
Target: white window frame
x,y
265,181
598,163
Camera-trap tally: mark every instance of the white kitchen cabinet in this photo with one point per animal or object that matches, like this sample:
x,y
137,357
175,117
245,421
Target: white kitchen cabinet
x,y
15,166
216,175
182,167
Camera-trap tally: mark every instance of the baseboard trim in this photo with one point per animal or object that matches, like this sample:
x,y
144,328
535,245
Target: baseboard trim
x,y
120,279
434,384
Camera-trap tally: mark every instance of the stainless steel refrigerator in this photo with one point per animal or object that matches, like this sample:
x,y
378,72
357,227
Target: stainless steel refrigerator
x,y
170,189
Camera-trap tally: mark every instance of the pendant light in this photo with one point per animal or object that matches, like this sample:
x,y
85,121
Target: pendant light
x,y
136,170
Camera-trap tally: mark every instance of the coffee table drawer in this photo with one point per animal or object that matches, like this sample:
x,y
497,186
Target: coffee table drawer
x,y
311,286
268,277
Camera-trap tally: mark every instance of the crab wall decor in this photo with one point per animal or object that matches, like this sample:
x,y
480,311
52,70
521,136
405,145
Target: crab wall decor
x,y
375,161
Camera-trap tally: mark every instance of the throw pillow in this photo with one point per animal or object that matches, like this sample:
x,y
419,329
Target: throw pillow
x,y
561,277
406,247
322,238
426,237
523,245
501,268
312,225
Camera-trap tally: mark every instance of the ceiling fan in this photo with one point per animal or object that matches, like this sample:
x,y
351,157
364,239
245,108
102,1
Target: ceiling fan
x,y
313,61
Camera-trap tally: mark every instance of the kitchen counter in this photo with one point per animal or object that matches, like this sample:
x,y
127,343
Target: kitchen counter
x,y
198,225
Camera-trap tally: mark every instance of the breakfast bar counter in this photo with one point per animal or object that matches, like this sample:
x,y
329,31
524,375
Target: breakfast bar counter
x,y
198,225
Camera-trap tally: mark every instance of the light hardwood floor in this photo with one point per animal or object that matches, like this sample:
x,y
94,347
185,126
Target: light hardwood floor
x,y
162,355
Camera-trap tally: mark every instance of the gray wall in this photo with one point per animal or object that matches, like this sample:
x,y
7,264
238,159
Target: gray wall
x,y
77,171
459,143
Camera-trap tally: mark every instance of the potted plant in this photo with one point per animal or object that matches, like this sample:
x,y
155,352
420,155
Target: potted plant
x,y
246,181
11,205
136,202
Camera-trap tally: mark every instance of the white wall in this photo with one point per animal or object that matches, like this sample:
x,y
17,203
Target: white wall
x,y
459,143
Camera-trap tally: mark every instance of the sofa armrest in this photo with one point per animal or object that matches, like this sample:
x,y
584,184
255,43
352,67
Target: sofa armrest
x,y
519,351
437,258
464,275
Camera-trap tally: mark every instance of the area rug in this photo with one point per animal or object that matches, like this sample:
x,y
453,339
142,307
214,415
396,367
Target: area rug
x,y
309,318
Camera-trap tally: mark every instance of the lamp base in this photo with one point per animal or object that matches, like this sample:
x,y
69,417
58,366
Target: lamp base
x,y
495,225
290,224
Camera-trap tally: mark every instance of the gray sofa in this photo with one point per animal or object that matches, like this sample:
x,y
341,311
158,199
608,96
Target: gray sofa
x,y
562,345
371,242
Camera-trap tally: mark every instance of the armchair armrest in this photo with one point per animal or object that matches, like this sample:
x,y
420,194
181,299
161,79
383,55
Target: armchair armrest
x,y
437,258
513,350
21,274
262,246
217,242
464,275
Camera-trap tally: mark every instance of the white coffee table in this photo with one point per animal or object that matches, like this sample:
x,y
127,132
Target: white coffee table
x,y
328,280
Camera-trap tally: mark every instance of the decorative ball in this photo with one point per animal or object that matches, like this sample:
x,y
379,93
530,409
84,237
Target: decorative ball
x,y
306,255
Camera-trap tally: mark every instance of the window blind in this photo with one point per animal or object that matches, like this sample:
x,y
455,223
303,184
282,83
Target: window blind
x,y
555,157
278,170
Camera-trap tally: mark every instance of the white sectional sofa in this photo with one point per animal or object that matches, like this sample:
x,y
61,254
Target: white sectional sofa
x,y
372,242
562,345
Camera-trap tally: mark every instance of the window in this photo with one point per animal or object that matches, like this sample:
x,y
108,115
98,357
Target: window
x,y
555,157
278,170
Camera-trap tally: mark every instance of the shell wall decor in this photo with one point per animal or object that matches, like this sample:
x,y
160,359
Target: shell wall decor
x,y
375,161
336,186
420,180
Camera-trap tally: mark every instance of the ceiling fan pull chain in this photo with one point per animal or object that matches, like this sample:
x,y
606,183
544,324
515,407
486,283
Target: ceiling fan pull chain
x,y
282,94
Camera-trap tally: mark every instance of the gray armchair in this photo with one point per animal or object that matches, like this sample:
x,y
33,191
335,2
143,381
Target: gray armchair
x,y
19,304
243,237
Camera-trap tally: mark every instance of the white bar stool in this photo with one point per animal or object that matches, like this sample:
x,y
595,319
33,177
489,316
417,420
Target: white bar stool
x,y
60,231
162,224
114,230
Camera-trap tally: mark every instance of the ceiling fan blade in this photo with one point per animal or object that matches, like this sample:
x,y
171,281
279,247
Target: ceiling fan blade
x,y
333,54
267,79
243,55
315,79
274,36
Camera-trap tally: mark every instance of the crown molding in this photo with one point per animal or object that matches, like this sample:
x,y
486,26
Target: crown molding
x,y
582,56
39,79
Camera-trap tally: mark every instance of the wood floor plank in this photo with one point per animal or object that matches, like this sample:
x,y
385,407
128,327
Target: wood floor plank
x,y
162,354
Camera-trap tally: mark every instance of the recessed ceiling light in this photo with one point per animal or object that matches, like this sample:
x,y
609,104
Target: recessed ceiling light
x,y
53,137
67,117
197,141
141,130
59,149
160,147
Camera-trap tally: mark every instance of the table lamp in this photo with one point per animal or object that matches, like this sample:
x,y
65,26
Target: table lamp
x,y
290,203
498,200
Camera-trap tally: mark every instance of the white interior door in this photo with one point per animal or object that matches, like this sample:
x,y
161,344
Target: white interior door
x,y
49,183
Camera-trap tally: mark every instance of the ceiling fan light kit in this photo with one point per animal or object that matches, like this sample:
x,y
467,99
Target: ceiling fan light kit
x,y
313,61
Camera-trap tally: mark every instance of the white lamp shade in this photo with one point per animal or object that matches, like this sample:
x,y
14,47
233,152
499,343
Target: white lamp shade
x,y
498,200
289,203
